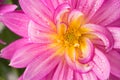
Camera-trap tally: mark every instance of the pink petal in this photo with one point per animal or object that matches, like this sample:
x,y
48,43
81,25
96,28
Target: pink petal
x,y
48,4
116,35
10,50
60,11
58,70
108,12
21,77
77,66
115,23
4,8
39,33
114,58
63,72
70,74
89,76
87,50
50,75
37,10
53,4
112,77
102,33
76,18
27,53
89,7
17,22
77,76
101,65
73,3
40,67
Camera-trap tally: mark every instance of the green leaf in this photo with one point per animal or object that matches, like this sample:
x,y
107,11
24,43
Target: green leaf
x,y
8,37
8,1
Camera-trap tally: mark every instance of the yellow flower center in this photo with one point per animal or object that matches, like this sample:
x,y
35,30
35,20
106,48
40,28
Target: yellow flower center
x,y
71,36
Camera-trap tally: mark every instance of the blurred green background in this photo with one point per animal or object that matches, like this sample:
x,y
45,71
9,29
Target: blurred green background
x,y
7,72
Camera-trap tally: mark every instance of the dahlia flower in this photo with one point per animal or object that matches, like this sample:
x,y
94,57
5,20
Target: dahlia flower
x,y
65,39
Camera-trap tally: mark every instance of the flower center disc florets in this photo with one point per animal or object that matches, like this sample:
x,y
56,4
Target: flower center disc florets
x,y
70,32
72,37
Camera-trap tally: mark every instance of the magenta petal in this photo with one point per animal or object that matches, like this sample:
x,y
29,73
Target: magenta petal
x,y
56,3
73,3
70,74
116,35
89,76
63,72
115,23
17,22
101,65
105,15
112,77
57,72
89,7
26,54
10,50
77,66
49,4
39,33
37,10
60,11
102,33
114,58
77,76
40,67
4,8
50,75
53,4
87,51
21,77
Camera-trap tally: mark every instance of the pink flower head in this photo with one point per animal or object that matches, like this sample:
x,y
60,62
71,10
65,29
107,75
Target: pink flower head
x,y
65,39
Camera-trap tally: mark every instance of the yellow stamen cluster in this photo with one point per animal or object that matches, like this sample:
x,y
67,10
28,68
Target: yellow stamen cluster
x,y
70,36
